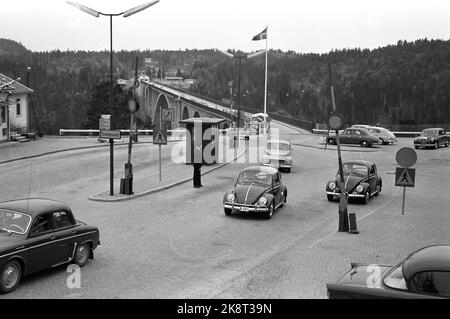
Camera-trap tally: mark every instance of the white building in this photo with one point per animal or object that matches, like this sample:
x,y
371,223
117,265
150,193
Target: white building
x,y
14,108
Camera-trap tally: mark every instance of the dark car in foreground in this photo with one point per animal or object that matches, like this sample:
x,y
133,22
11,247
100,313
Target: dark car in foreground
x,y
423,274
432,137
352,135
37,234
258,189
361,181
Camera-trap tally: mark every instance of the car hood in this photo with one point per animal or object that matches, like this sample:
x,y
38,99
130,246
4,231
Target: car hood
x,y
362,274
351,181
249,193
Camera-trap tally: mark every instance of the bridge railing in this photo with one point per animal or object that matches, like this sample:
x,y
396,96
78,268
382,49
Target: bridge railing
x,y
93,132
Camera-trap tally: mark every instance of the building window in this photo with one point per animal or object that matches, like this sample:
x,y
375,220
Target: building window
x,y
3,114
18,110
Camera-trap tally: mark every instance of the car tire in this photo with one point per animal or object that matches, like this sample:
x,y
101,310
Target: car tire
x,y
446,144
366,197
283,200
82,253
288,170
330,198
228,211
269,214
436,145
378,189
416,147
10,276
381,141
331,141
364,144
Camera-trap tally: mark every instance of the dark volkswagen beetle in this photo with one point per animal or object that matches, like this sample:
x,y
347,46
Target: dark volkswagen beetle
x,y
36,234
423,274
258,189
361,180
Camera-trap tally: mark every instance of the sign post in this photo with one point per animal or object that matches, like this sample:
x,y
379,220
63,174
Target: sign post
x,y
160,135
405,176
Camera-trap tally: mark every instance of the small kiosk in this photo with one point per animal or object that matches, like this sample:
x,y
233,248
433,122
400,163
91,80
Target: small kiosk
x,y
202,139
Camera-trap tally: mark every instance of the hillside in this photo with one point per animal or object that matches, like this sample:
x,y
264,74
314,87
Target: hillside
x,y
406,83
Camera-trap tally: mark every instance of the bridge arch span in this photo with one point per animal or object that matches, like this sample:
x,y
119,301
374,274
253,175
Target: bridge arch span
x,y
162,103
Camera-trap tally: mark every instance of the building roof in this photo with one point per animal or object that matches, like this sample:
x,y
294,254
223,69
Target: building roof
x,y
431,258
18,87
33,206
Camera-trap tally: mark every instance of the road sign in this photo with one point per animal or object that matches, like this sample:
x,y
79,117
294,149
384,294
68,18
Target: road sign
x,y
405,177
168,115
160,137
336,122
406,157
105,122
107,134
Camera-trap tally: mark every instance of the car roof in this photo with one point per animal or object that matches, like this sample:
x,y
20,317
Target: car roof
x,y
33,206
261,168
360,162
430,258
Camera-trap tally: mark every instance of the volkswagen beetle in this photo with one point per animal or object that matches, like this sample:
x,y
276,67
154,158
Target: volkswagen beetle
x,y
258,189
361,181
37,234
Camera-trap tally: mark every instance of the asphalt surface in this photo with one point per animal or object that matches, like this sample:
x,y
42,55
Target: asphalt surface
x,y
179,244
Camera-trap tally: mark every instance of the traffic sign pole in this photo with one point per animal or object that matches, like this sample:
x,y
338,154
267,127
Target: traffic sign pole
x,y
405,176
160,122
403,202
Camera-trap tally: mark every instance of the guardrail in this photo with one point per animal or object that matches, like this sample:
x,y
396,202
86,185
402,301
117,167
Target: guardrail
x,y
397,134
90,132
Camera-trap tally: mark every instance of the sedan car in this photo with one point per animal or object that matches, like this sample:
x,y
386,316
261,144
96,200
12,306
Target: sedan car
x,y
384,135
432,137
258,189
279,154
37,234
361,181
354,136
423,274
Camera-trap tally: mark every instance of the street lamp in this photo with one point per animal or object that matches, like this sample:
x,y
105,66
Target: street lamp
x,y
125,14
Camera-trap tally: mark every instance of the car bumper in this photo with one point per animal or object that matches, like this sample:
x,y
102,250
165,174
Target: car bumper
x,y
277,163
425,145
246,208
351,195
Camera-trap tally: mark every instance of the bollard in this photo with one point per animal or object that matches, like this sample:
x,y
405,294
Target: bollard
x,y
353,225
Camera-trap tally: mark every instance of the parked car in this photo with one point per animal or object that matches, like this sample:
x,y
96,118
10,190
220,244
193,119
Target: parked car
x,y
364,126
361,181
354,136
258,189
384,135
423,274
432,137
279,154
36,234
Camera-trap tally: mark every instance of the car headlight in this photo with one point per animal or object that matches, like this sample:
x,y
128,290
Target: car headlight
x,y
262,201
359,188
332,186
230,198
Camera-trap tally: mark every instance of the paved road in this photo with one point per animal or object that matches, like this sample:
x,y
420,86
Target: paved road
x,y
179,244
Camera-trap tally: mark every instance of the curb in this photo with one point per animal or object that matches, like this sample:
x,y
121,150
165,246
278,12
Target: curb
x,y
332,149
162,188
74,149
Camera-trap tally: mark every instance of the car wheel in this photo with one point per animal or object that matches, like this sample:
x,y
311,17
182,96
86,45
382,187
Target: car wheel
x,y
82,253
436,145
330,197
227,211
331,141
378,189
283,200
416,147
10,276
288,170
381,141
269,214
366,197
446,144
364,144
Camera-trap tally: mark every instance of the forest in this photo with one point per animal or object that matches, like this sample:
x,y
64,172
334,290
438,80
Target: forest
x,y
403,84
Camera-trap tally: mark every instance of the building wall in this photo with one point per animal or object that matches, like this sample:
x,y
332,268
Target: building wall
x,y
17,120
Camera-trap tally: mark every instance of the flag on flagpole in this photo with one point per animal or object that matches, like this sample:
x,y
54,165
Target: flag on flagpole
x,y
260,36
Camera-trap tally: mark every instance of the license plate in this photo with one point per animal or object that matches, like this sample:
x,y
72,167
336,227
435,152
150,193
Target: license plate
x,y
244,209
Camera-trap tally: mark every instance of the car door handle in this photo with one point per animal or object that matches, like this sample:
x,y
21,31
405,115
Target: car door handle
x,y
17,248
52,238
73,232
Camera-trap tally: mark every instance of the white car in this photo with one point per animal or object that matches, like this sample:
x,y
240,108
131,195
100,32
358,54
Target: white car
x,y
384,135
278,153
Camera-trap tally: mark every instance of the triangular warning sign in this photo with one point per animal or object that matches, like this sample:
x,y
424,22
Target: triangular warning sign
x,y
160,138
405,177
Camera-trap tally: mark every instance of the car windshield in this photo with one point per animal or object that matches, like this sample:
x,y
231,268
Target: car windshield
x,y
430,133
14,222
395,279
254,176
275,146
355,169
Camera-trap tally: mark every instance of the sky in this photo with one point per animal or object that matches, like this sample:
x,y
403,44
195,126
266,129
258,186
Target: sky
x,y
303,26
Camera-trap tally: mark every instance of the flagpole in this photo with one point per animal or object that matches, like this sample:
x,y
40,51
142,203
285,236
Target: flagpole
x,y
265,84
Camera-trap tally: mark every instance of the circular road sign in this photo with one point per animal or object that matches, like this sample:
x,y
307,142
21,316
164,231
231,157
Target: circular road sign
x,y
406,157
336,121
133,105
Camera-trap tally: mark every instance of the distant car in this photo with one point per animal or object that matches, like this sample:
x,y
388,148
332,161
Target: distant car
x,y
279,154
36,234
258,189
432,137
423,274
361,181
384,135
354,136
364,126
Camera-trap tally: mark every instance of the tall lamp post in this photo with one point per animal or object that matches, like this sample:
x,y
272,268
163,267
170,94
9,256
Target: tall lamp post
x,y
125,14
